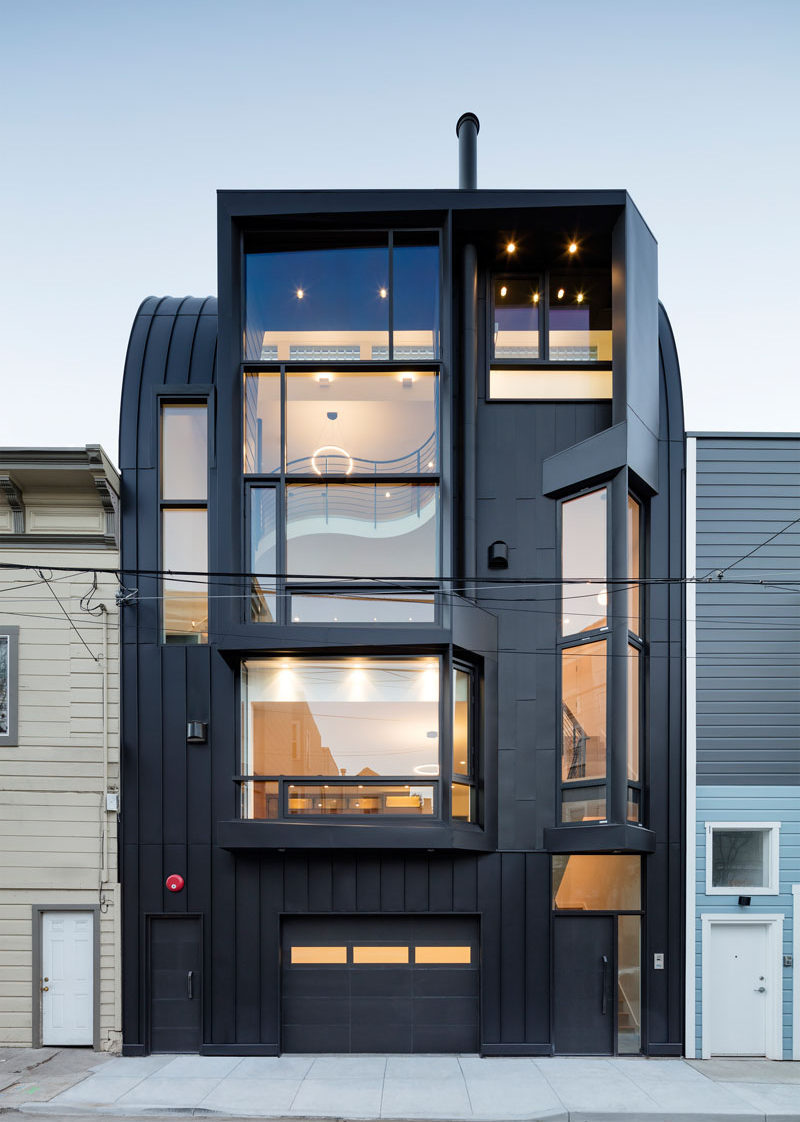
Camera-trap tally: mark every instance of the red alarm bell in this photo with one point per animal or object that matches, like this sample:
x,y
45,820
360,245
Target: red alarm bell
x,y
175,882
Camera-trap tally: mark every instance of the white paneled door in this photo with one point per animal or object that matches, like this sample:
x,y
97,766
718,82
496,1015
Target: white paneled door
x,y
67,977
740,1002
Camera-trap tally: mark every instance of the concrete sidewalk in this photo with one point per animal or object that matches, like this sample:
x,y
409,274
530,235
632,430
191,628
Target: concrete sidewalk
x,y
422,1087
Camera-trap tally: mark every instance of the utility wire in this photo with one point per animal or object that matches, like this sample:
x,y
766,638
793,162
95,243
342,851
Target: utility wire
x,y
67,616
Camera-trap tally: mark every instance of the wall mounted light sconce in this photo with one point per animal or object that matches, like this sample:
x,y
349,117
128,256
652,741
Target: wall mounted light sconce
x,y
196,732
498,555
744,901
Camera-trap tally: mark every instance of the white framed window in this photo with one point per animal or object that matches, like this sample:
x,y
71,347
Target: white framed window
x,y
742,858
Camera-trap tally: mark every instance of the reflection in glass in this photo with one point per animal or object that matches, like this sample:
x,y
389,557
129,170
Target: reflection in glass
x,y
583,804
259,800
583,712
633,712
307,800
634,566
184,549
461,798
263,554
597,882
580,317
336,717
740,858
516,317
362,530
583,554
629,985
184,452
373,606
415,307
262,423
328,303
634,812
550,384
353,423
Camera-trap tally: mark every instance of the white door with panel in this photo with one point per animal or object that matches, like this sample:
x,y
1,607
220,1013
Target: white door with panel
x,y
67,983
740,1001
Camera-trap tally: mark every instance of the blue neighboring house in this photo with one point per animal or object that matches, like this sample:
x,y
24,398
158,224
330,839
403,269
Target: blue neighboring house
x,y
743,743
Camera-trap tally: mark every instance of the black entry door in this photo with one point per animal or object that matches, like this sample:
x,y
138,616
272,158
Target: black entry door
x,y
584,984
175,983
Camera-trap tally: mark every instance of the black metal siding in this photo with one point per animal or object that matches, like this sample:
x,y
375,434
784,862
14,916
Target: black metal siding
x,y
748,635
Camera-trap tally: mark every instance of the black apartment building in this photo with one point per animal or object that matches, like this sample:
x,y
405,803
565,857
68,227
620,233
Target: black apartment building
x,y
402,659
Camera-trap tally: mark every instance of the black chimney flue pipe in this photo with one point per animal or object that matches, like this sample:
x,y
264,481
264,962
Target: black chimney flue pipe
x,y
467,128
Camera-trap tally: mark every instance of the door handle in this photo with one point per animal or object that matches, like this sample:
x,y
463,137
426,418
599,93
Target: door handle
x,y
45,989
604,1000
760,989
190,984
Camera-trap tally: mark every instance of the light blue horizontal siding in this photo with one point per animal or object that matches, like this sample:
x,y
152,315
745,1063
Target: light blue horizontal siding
x,y
750,804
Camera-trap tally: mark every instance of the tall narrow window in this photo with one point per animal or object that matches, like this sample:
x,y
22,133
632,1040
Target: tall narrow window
x,y
462,790
184,530
584,534
634,565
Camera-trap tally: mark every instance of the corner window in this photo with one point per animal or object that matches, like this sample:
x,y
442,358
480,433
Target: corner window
x,y
742,858
352,737
353,297
551,336
184,530
9,661
352,496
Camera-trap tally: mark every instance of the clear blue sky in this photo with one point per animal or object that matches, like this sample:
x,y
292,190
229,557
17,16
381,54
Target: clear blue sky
x,y
121,119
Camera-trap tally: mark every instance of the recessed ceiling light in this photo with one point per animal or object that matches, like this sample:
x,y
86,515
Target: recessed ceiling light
x,y
511,247
503,290
388,494
561,293
572,247
300,294
383,293
580,298
536,297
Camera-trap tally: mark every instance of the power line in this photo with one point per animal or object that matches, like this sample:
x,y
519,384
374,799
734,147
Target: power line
x,y
68,616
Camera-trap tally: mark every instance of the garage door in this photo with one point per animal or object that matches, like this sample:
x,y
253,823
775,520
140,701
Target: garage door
x,y
380,984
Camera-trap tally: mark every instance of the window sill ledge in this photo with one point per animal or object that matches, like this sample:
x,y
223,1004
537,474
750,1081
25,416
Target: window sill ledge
x,y
239,834
611,838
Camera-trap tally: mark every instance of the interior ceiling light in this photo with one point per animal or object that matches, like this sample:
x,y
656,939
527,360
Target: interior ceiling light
x,y
407,380
511,247
561,293
536,297
300,294
331,448
324,379
383,292
503,290
388,494
572,247
426,769
580,297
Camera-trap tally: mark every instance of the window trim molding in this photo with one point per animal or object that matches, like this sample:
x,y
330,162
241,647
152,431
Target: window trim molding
x,y
773,887
10,632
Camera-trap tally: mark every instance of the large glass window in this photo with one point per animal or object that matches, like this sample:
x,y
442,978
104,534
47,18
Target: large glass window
x,y
353,737
315,517
345,298
184,531
517,321
583,708
584,538
742,858
589,882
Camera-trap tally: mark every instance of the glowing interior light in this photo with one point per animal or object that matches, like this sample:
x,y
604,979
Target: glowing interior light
x,y
602,598
407,380
536,297
511,247
561,293
426,769
295,619
572,247
580,297
331,448
388,494
503,291
300,294
324,379
430,463
383,293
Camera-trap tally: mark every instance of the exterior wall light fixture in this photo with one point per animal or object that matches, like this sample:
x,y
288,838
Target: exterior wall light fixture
x,y
196,732
498,555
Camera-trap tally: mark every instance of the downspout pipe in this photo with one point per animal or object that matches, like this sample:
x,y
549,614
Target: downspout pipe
x,y
467,133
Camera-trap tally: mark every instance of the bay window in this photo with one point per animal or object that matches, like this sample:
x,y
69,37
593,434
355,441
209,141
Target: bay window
x,y
355,737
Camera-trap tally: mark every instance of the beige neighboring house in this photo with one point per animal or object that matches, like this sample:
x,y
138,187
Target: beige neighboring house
x,y
59,749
